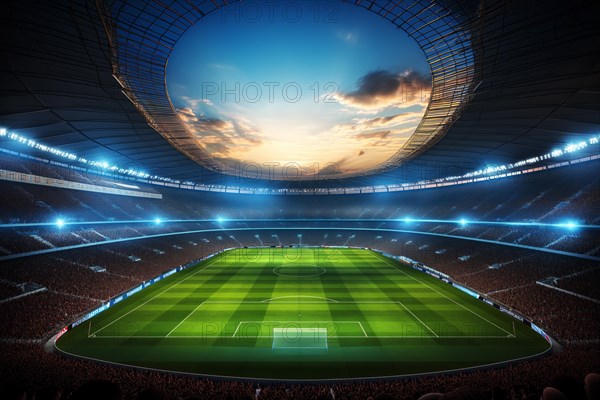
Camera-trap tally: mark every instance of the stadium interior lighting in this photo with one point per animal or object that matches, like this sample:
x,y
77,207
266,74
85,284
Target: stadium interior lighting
x,y
570,225
157,221
60,222
463,222
488,171
220,220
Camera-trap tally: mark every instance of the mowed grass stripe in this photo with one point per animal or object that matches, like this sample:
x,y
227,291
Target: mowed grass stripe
x,y
452,295
358,285
351,312
204,321
182,309
405,321
355,279
251,312
297,299
388,297
205,291
144,297
413,300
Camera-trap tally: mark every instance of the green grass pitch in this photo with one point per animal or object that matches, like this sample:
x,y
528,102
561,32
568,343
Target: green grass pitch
x,y
336,313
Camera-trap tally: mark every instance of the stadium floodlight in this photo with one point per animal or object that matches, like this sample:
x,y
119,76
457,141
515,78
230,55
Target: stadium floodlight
x,y
157,221
463,222
407,220
60,222
570,225
2,131
220,220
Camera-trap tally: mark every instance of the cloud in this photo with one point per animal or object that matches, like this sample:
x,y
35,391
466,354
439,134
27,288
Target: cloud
x,y
381,88
225,67
402,124
350,164
220,137
372,135
392,120
347,36
186,113
194,103
367,133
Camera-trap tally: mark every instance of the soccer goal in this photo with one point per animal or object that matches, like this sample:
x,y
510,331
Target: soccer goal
x,y
299,338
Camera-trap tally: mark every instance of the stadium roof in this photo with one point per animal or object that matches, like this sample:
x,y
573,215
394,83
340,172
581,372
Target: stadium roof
x,y
72,72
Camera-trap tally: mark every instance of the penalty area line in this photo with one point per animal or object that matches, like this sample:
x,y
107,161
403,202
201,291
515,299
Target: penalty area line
x,y
179,324
418,319
363,329
448,298
237,329
149,300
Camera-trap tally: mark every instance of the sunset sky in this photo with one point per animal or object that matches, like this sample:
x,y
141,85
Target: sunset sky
x,y
300,87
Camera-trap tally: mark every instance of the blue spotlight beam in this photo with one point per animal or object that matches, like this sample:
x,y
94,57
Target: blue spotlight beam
x,y
496,172
571,225
310,228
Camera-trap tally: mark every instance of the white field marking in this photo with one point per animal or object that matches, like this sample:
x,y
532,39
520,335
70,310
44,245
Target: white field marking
x,y
298,322
236,329
177,326
419,319
295,302
454,301
296,297
321,380
146,302
299,276
337,302
329,337
363,329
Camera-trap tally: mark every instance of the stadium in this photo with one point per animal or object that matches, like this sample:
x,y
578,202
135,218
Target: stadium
x,y
354,199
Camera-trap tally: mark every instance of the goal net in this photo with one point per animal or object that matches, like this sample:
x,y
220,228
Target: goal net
x,y
299,338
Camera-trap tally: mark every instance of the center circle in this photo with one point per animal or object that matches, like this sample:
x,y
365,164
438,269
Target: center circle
x,y
299,271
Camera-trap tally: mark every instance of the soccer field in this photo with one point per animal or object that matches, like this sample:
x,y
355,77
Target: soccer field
x,y
302,313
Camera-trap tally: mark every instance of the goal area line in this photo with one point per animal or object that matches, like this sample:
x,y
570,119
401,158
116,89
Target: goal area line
x,y
297,325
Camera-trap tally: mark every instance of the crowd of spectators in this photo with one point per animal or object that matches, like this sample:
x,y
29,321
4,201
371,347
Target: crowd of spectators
x,y
584,282
33,316
27,239
8,290
569,318
505,274
73,285
29,368
543,197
